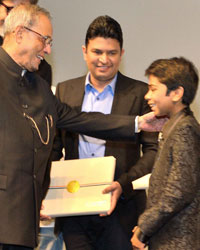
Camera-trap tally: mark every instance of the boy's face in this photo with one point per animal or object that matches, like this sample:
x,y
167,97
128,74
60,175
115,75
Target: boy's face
x,y
160,103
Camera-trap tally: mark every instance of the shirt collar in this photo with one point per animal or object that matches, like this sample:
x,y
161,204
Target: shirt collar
x,y
10,63
111,85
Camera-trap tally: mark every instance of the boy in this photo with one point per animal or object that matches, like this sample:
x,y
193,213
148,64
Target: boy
x,y
172,216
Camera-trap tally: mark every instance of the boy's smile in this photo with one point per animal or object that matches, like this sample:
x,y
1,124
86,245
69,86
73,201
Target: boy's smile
x,y
161,103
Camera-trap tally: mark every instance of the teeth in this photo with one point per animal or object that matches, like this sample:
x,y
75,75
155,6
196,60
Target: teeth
x,y
105,66
40,57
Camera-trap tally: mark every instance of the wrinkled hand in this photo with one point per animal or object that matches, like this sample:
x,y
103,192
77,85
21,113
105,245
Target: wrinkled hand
x,y
151,123
43,216
136,243
116,190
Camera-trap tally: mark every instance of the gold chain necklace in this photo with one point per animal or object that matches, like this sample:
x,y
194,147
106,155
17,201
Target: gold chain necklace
x,y
38,130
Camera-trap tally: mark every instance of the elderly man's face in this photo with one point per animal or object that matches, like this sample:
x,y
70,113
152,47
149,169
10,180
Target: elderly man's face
x,y
5,7
35,44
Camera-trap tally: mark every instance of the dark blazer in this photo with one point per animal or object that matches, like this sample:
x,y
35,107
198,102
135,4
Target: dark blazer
x,y
172,217
128,100
23,156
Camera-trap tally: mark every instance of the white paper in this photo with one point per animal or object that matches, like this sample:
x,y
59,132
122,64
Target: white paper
x,y
87,200
141,183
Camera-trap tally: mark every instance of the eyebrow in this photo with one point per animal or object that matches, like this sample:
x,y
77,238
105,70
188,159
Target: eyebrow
x,y
152,85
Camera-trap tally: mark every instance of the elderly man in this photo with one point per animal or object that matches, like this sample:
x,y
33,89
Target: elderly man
x,y
29,116
5,7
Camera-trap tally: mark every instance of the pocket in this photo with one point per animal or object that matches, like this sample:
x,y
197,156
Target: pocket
x,y
3,182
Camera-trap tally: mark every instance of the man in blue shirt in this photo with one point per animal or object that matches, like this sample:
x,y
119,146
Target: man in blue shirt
x,y
106,90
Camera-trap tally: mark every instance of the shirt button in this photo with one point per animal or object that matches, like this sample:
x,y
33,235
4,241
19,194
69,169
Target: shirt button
x,y
25,106
34,176
97,98
93,154
35,150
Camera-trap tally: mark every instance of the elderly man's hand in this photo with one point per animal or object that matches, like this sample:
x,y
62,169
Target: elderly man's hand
x,y
151,123
43,216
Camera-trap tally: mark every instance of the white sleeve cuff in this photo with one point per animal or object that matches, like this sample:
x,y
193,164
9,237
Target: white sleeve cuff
x,y
137,130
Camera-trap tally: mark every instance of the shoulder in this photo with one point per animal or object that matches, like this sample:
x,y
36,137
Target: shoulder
x,y
187,131
70,88
130,85
189,122
71,82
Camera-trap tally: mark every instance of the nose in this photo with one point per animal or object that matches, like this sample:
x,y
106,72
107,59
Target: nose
x,y
47,49
147,96
103,58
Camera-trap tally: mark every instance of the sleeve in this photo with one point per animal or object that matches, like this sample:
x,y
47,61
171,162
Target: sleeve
x,y
95,124
181,183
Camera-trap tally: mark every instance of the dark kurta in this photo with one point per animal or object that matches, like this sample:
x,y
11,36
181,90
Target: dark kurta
x,y
23,157
172,217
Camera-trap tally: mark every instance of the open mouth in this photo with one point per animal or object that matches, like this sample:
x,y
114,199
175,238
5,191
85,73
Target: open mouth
x,y
40,57
152,106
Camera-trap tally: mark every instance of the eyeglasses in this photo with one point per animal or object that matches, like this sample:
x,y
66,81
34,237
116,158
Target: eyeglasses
x,y
46,39
8,8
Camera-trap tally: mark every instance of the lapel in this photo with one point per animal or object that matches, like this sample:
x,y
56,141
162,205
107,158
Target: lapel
x,y
124,97
76,93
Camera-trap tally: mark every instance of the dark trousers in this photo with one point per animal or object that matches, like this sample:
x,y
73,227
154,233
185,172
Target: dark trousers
x,y
14,247
112,232
94,233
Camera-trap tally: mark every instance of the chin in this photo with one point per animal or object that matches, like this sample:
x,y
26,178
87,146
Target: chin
x,y
35,68
1,31
157,113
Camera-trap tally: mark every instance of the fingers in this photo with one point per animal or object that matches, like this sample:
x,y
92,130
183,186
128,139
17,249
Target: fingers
x,y
108,189
134,229
45,217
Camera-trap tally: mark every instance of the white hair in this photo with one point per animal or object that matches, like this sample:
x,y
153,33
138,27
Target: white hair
x,y
23,15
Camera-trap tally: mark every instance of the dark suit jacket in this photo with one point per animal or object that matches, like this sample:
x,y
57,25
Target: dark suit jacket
x,y
128,100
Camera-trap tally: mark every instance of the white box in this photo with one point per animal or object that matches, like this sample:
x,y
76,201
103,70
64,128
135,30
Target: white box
x,y
141,183
93,175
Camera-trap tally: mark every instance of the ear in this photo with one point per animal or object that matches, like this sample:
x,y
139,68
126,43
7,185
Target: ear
x,y
178,94
19,34
84,50
122,52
